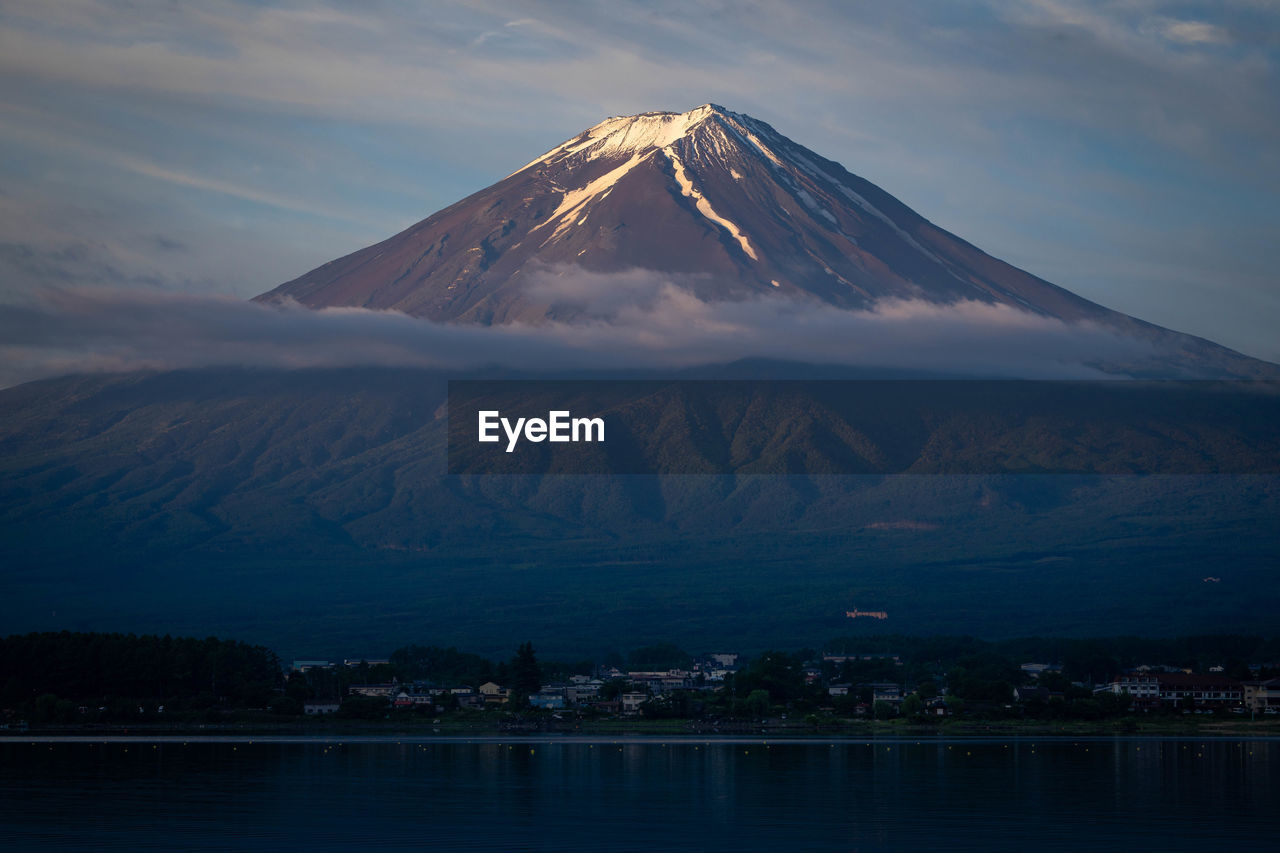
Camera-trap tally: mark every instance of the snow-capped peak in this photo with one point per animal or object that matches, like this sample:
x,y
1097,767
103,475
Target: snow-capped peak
x,y
637,134
629,134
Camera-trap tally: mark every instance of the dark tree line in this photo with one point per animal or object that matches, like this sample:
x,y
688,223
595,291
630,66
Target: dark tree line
x,y
90,668
448,667
443,667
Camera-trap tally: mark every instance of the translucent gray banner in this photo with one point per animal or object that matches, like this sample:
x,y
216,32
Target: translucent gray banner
x,y
862,427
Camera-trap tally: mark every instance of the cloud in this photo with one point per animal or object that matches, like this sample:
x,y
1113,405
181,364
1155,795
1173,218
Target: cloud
x,y
604,296
560,65
656,324
26,126
1193,32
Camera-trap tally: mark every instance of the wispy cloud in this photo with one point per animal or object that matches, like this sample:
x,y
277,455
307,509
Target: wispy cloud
x,y
654,324
1193,32
31,126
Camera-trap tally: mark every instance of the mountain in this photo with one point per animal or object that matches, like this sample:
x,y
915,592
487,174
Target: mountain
x,y
722,204
311,510
315,511
716,197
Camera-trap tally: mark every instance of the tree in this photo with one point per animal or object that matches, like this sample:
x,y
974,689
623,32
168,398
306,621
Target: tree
x,y
46,708
363,708
779,674
526,675
757,704
912,705
678,705
297,688
443,667
614,688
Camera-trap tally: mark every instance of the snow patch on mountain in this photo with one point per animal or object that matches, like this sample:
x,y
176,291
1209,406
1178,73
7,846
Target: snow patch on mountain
x,y
704,207
643,132
620,135
575,200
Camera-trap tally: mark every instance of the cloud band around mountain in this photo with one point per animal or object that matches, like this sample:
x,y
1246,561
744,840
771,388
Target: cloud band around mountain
x,y
636,320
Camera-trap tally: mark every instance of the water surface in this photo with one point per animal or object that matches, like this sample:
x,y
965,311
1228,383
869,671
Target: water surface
x,y
637,794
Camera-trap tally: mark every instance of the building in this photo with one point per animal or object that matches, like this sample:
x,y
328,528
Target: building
x,y
1262,697
320,708
1142,686
427,688
413,700
469,699
385,690
583,692
1035,670
885,692
1152,689
1031,694
493,694
1204,691
631,702
845,658
552,699
308,665
662,682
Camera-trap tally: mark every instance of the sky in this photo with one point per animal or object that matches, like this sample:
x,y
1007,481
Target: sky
x,y
1127,150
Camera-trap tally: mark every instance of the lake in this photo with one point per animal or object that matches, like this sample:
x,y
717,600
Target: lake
x,y
638,794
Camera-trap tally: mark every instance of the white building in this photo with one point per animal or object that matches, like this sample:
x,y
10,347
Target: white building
x,y
631,702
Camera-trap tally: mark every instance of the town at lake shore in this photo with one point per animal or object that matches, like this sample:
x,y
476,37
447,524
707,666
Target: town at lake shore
x,y
57,681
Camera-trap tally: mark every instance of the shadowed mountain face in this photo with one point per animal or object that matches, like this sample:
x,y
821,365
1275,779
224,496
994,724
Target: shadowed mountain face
x,y
311,510
718,203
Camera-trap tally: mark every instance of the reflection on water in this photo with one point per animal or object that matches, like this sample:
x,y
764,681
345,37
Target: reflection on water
x,y
638,794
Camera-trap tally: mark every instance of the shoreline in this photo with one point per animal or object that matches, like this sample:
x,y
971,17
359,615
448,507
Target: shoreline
x,y
351,739
645,732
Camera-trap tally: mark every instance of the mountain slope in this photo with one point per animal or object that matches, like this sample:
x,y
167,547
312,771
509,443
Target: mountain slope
x,y
722,205
310,510
714,196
